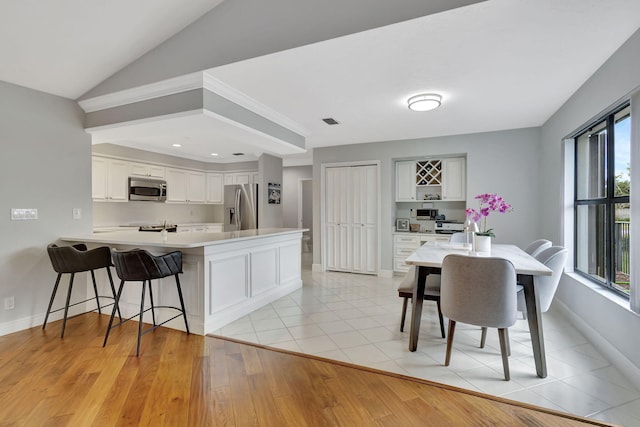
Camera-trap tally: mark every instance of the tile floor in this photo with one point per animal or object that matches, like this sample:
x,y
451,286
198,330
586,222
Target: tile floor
x,y
356,318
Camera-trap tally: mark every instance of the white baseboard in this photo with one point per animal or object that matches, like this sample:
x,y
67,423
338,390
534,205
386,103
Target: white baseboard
x,y
316,268
618,359
23,323
385,273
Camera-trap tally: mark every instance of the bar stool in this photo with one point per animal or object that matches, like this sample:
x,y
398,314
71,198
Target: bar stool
x,y
76,259
140,265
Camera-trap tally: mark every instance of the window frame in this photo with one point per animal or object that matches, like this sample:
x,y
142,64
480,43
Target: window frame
x,y
610,200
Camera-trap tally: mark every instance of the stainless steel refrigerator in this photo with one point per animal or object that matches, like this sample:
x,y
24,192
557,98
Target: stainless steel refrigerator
x,y
240,207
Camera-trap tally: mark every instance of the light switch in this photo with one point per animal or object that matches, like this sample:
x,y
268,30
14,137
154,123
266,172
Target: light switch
x,y
77,213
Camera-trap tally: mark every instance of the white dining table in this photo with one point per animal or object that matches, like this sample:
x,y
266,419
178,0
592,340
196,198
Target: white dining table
x,y
428,260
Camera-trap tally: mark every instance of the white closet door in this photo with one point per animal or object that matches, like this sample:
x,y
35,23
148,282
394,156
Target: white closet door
x,y
351,219
364,221
337,219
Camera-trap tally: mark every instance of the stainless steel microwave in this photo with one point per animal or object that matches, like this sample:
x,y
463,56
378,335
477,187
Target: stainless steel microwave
x,y
150,190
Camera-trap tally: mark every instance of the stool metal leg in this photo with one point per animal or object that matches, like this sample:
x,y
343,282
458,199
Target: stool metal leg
x,y
184,311
95,291
113,290
53,296
140,319
153,311
113,313
66,306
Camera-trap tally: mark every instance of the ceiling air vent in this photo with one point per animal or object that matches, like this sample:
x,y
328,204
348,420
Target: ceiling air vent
x,y
238,154
330,121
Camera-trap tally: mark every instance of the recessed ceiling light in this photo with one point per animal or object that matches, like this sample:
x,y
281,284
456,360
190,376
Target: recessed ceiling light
x,y
424,102
176,145
238,154
214,154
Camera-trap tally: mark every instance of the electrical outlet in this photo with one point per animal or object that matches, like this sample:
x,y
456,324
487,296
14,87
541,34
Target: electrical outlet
x,y
9,303
77,213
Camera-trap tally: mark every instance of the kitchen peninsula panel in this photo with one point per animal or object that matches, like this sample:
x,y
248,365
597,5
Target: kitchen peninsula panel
x,y
226,275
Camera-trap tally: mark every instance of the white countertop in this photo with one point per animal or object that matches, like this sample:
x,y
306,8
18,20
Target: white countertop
x,y
178,240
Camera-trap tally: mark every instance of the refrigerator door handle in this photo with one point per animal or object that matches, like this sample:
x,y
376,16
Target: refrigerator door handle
x,y
238,210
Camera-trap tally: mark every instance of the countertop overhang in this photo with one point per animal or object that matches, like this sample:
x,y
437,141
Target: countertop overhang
x,y
179,240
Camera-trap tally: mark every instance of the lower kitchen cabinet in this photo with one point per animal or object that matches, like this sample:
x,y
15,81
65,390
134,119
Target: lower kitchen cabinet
x,y
404,244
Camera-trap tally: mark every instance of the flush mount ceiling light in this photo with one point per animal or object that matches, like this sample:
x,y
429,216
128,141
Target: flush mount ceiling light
x,y
424,102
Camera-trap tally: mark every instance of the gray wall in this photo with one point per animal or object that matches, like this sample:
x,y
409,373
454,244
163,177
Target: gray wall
x,y
290,178
45,164
504,162
269,170
613,82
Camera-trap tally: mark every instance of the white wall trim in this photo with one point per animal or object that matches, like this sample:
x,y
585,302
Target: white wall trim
x,y
24,323
143,93
627,368
218,87
198,80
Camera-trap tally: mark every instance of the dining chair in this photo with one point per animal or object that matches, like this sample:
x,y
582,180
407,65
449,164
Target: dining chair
x,y
431,293
537,246
479,291
555,258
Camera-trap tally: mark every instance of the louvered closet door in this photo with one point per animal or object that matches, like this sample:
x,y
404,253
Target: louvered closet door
x,y
337,219
364,221
351,219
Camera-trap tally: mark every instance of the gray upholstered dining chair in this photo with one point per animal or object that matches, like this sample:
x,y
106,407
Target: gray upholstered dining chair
x,y
555,258
431,293
479,291
537,246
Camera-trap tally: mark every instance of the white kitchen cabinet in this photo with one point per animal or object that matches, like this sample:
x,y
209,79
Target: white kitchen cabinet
x,y
176,185
352,219
231,178
109,179
184,186
196,187
146,170
433,179
404,244
215,188
253,177
406,181
454,182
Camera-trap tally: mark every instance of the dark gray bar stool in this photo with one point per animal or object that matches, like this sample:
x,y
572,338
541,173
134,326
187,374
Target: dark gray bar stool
x,y
76,259
140,265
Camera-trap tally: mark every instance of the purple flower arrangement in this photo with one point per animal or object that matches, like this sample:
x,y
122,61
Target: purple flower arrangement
x,y
488,203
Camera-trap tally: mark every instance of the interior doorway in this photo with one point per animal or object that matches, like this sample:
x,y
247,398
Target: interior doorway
x,y
305,218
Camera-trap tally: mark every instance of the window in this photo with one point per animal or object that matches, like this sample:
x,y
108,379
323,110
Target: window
x,y
602,210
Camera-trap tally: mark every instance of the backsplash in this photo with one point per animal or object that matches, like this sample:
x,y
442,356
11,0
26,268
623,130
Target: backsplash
x,y
136,213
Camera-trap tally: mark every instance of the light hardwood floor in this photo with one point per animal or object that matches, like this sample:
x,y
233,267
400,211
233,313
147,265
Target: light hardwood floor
x,y
182,380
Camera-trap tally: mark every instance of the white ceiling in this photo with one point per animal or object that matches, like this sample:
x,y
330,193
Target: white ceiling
x,y
500,64
66,47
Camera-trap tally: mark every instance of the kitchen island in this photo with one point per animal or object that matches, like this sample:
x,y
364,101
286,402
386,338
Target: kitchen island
x,y
226,275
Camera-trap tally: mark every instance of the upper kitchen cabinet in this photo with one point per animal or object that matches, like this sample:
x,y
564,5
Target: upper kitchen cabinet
x,y
406,181
431,179
149,171
231,178
454,182
215,188
184,186
109,179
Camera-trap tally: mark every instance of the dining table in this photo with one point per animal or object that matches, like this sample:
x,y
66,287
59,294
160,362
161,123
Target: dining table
x,y
428,260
